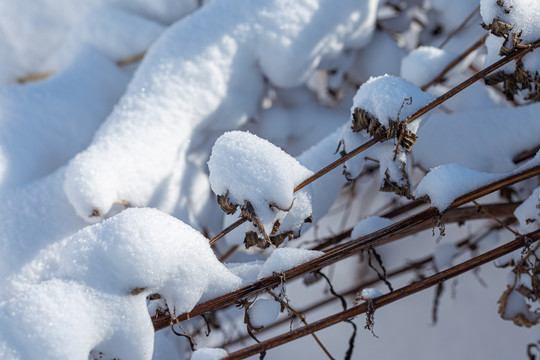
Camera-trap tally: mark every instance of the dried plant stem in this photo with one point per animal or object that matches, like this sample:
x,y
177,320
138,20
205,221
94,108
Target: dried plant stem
x,y
306,182
454,62
483,209
460,27
227,230
441,99
418,264
452,216
299,316
346,250
388,298
479,75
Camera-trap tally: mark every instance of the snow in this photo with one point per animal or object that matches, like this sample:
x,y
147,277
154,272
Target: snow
x,y
424,63
489,142
523,17
57,319
370,293
117,34
369,225
284,259
445,183
263,312
444,256
208,354
387,99
35,29
43,125
528,213
106,190
384,97
147,249
247,168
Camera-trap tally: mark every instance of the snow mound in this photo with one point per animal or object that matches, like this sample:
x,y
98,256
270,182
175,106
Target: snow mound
x,y
212,82
44,124
424,63
60,319
146,251
246,168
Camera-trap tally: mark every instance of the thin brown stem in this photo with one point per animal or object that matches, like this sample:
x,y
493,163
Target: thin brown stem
x,y
460,27
479,75
388,298
346,250
454,62
227,230
299,316
494,218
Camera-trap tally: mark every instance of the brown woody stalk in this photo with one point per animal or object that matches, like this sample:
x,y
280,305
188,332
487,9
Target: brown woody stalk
x,y
345,250
454,215
404,269
518,53
454,62
388,298
441,99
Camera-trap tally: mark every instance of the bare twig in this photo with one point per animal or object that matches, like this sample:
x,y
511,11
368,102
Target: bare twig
x,y
299,316
388,298
454,62
460,27
479,75
346,250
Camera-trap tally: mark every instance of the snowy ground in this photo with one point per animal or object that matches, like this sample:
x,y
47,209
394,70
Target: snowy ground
x,y
126,127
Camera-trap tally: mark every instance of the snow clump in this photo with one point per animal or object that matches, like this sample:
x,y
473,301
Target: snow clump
x,y
379,108
251,172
